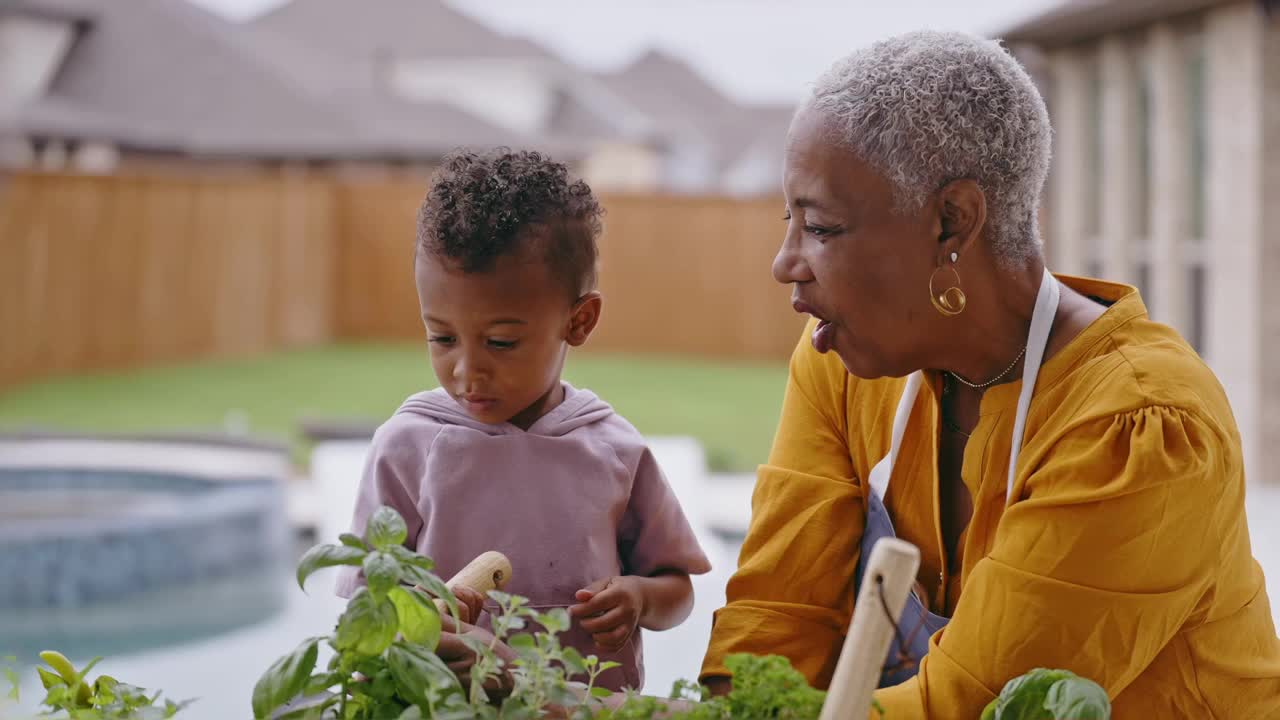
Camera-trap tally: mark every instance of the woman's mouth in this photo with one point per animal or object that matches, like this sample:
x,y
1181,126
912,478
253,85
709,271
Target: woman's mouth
x,y
824,334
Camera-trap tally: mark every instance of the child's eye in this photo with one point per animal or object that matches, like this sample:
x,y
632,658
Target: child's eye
x,y
502,344
441,339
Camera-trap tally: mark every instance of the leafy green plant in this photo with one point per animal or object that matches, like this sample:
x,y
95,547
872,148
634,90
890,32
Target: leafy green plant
x,y
763,687
384,665
71,695
383,642
1049,695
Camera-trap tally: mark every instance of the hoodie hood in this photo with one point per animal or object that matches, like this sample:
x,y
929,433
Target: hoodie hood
x,y
580,408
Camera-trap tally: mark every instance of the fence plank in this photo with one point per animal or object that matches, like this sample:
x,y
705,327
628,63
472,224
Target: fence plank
x,y
124,271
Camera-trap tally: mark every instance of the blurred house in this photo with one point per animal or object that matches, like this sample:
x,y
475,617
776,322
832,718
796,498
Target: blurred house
x,y
108,86
423,53
1166,174
713,142
655,124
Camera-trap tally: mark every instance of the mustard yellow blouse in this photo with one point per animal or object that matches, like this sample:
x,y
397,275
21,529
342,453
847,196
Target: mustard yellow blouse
x,y
1125,559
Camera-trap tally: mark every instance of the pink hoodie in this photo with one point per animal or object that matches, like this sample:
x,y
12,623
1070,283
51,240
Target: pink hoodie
x,y
576,498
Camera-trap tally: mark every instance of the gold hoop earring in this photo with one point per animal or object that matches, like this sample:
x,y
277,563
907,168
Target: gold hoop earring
x,y
949,302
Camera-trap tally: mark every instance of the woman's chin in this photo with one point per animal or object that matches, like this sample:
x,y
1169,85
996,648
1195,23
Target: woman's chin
x,y
861,364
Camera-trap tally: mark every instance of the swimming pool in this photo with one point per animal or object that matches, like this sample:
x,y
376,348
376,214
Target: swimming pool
x,y
114,545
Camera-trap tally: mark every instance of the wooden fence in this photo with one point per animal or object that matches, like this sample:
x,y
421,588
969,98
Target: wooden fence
x,y
115,272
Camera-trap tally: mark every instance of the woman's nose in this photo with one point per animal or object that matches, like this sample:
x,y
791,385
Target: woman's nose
x,y
788,265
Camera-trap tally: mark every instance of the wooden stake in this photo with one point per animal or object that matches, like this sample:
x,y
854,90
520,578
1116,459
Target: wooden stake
x,y
857,673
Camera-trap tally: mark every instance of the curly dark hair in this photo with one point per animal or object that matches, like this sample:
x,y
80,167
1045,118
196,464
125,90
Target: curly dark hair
x,y
482,206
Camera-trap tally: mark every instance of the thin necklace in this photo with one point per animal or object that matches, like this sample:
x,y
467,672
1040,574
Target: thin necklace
x,y
996,379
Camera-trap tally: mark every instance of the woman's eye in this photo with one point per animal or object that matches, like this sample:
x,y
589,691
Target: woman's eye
x,y
441,339
502,344
819,231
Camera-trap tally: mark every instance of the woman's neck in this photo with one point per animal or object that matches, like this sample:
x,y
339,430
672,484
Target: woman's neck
x,y
987,339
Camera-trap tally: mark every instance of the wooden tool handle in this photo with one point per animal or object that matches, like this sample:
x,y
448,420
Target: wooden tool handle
x,y
489,571
857,672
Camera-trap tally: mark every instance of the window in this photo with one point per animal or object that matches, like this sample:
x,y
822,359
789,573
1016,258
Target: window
x,y
1143,270
1142,128
1093,191
1198,286
1197,135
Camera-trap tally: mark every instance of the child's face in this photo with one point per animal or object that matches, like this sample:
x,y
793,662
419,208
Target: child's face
x,y
498,339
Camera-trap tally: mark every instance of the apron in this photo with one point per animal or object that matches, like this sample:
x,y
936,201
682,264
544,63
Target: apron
x,y
879,525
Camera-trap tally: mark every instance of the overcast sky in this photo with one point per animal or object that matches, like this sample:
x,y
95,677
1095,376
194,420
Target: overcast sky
x,y
753,49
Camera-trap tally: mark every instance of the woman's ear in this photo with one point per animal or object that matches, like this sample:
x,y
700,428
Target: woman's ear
x,y
962,216
584,317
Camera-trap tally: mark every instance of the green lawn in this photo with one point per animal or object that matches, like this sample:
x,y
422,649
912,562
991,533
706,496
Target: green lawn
x,y
731,408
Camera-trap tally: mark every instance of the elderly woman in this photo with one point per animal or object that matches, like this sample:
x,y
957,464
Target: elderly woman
x,y
1069,469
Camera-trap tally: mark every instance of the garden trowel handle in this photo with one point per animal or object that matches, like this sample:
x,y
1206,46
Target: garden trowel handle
x,y
893,565
489,571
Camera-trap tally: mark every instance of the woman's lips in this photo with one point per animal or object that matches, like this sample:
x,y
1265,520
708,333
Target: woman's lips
x,y
824,334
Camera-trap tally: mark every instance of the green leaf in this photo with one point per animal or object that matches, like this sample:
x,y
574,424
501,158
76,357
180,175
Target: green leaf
x,y
554,621
309,710
433,585
383,686
1077,698
172,708
285,678
381,572
1023,697
322,556
353,541
105,685
386,529
573,661
48,679
506,600
522,641
504,625
609,665
13,684
84,673
368,625
413,712
370,666
411,558
416,670
321,683
599,692
419,618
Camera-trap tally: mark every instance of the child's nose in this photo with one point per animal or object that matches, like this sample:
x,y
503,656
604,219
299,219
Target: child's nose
x,y
469,368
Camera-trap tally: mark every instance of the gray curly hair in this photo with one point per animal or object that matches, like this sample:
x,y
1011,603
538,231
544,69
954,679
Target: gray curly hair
x,y
926,108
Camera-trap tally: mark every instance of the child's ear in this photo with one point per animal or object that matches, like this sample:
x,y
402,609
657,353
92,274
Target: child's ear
x,y
586,313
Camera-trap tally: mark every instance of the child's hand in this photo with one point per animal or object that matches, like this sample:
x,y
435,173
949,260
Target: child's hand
x,y
610,610
470,602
